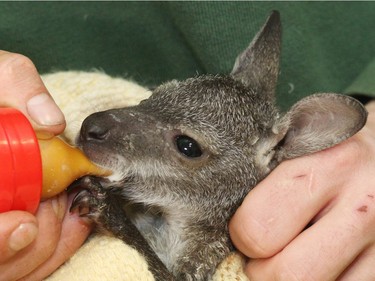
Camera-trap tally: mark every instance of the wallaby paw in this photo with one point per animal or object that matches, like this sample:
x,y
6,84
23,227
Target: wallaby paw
x,y
90,201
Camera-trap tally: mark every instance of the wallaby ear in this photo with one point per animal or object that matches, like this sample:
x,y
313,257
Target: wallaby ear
x,y
258,65
318,122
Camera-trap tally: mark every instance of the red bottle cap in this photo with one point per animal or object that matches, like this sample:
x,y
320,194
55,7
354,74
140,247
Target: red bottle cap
x,y
21,163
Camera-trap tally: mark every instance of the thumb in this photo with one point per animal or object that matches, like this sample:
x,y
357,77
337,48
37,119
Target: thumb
x,y
22,88
17,230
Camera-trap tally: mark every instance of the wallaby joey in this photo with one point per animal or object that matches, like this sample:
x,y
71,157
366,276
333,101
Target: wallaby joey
x,y
185,158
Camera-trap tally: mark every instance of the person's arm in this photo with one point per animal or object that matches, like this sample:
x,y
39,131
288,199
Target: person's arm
x,y
32,247
313,218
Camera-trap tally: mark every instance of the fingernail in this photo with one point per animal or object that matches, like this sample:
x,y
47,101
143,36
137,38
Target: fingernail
x,y
22,236
59,205
44,111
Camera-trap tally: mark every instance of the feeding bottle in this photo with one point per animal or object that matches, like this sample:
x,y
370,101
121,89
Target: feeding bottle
x,y
34,166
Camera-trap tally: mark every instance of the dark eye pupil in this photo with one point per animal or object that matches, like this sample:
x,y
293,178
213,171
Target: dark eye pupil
x,y
188,146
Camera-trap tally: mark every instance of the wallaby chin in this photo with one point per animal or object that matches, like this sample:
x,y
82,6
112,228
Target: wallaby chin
x,y
185,158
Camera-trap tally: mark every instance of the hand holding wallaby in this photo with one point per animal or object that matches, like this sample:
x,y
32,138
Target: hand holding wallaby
x,y
185,158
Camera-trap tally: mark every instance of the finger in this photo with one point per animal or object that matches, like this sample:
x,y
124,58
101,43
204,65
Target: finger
x,y
17,230
49,216
281,206
22,88
362,268
323,251
74,233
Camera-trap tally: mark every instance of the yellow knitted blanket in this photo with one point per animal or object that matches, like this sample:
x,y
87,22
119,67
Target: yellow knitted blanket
x,y
102,257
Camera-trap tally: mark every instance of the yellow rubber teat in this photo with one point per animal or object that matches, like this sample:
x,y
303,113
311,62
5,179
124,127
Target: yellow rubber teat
x,y
63,164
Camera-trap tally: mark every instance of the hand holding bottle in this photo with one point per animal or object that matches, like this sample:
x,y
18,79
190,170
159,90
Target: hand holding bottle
x,y
33,246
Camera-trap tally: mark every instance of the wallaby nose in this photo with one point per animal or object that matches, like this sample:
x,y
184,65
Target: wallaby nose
x,y
92,130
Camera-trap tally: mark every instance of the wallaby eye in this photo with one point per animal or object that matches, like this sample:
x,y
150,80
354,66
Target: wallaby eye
x,y
188,146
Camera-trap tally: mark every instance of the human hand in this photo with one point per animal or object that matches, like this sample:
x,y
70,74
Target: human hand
x,y
313,218
22,88
31,246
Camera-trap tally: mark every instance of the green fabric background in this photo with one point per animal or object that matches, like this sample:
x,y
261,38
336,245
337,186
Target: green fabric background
x,y
326,45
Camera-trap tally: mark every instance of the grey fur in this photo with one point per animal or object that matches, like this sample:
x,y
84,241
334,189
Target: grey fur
x,y
180,205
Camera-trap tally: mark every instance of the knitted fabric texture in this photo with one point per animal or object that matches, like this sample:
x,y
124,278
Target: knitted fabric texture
x,y
102,257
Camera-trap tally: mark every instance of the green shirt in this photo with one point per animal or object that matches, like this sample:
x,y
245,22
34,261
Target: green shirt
x,y
327,46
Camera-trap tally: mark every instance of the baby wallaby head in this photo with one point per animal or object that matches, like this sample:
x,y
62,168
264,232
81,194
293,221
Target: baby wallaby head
x,y
203,143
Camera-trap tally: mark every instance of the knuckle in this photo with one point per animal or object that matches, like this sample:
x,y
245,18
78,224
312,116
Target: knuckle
x,y
345,154
12,62
344,160
355,148
355,151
